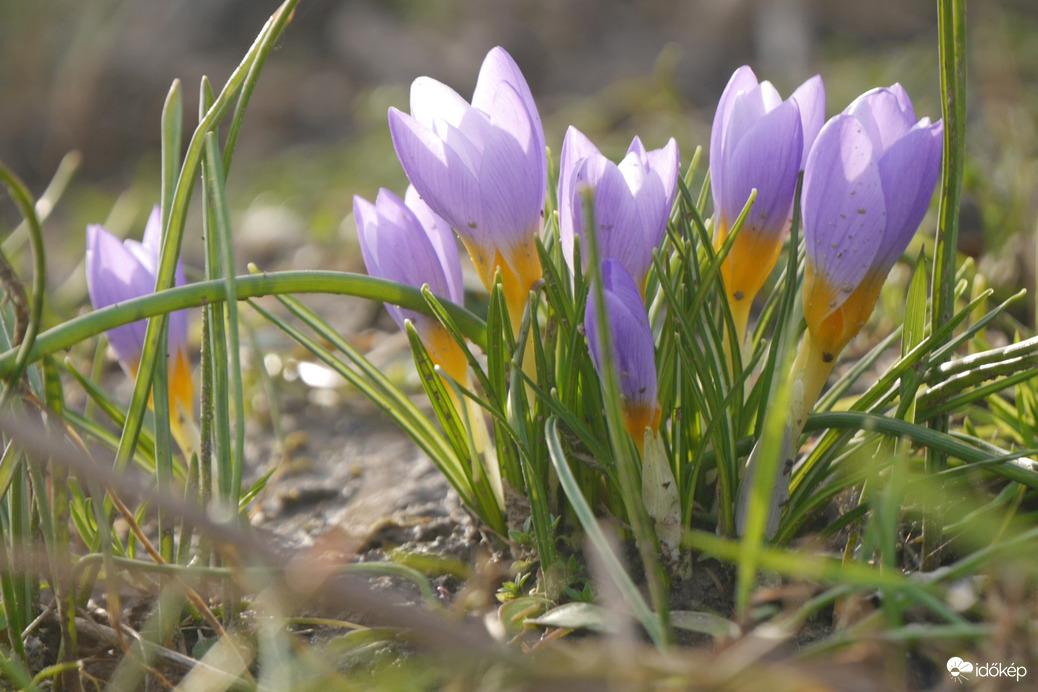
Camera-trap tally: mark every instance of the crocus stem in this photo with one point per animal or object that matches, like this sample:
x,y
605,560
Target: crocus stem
x,y
517,289
809,373
484,448
740,316
185,432
453,365
741,319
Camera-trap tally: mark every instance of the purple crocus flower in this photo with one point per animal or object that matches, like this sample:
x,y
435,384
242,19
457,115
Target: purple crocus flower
x,y
867,185
758,141
632,346
632,200
406,242
117,271
483,168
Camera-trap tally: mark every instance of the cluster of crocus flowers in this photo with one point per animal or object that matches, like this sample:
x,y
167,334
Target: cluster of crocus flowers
x,y
403,240
758,142
867,185
631,201
632,351
483,168
117,271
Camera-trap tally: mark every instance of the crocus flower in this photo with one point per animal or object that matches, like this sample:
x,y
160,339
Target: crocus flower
x,y
758,141
631,200
483,168
406,242
868,182
117,271
632,348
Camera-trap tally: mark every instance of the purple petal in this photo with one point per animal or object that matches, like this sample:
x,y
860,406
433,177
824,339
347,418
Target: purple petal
x,y
152,238
742,80
575,148
747,109
810,98
886,114
510,181
616,217
499,68
368,233
652,209
666,163
630,335
623,223
632,203
468,141
403,248
768,95
843,206
767,157
908,171
637,149
432,100
440,176
115,275
395,246
503,94
634,167
902,98
443,240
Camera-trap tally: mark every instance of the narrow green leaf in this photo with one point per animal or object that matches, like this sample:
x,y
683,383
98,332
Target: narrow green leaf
x,y
213,176
951,32
172,144
71,332
27,208
913,332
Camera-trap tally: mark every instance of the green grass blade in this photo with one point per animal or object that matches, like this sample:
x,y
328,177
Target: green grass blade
x,y
216,186
951,31
27,208
72,331
172,143
1020,470
912,334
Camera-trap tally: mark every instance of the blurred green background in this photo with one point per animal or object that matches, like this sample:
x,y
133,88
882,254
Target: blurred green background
x,y
91,77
